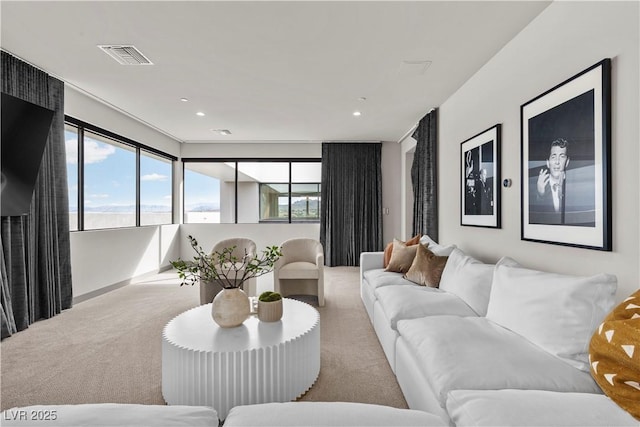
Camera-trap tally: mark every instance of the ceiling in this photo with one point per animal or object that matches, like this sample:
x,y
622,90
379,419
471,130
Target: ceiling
x,y
267,71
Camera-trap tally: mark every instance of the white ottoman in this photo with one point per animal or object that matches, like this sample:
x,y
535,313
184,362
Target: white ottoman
x,y
327,414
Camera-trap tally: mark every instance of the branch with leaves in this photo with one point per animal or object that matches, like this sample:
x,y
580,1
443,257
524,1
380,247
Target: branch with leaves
x,y
223,268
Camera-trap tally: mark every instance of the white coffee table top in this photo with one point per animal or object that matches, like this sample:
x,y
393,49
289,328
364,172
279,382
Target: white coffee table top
x,y
196,330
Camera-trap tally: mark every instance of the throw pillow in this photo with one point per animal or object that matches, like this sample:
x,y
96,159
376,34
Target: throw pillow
x,y
435,247
401,257
389,249
469,279
426,268
557,312
614,353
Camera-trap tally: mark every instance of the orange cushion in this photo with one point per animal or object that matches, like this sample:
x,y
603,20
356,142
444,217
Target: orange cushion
x,y
614,353
389,249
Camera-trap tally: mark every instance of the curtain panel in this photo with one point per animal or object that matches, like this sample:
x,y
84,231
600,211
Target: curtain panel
x,y
351,207
35,268
424,177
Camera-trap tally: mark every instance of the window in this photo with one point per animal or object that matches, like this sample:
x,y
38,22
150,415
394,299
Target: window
x,y
203,183
268,190
71,146
109,183
305,191
155,189
122,183
255,203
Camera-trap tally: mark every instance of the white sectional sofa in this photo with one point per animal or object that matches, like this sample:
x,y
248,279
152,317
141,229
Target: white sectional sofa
x,y
494,344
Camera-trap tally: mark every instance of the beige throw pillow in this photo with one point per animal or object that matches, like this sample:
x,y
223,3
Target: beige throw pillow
x,y
389,249
401,257
426,268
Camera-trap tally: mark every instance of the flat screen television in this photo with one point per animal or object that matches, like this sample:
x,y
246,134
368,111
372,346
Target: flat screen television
x,y
25,128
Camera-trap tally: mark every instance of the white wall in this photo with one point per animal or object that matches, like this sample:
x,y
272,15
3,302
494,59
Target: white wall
x,y
89,110
391,197
103,258
563,40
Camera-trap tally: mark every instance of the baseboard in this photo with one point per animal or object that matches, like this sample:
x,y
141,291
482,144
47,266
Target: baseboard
x,y
109,288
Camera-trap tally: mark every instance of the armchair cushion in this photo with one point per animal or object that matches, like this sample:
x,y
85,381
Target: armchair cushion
x,y
299,270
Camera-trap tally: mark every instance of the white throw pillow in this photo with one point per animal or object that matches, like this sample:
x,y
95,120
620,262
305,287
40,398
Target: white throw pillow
x,y
469,279
557,312
436,248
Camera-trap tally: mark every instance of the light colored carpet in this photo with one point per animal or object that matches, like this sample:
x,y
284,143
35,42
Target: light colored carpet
x,y
108,349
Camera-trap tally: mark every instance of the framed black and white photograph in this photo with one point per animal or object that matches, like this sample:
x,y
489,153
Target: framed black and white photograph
x,y
480,173
566,156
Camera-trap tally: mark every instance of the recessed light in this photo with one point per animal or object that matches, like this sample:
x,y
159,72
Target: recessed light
x,y
200,113
357,113
222,131
184,99
362,98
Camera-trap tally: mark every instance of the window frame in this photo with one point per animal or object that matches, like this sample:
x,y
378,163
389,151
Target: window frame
x,y
237,160
138,148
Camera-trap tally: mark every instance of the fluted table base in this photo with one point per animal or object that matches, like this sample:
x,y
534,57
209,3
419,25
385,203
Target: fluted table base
x,y
257,362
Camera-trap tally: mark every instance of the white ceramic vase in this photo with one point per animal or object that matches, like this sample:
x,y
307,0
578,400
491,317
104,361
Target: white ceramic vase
x,y
230,308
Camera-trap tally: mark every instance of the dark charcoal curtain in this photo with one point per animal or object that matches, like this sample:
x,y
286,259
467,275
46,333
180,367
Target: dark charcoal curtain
x,y
350,218
35,268
424,177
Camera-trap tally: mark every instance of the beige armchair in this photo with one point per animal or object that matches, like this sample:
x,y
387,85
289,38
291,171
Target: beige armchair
x,y
208,290
300,270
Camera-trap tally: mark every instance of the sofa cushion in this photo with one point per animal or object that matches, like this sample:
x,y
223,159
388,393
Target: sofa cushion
x,y
469,279
614,353
110,414
379,277
401,257
534,408
557,312
426,268
326,414
388,250
411,302
473,353
299,270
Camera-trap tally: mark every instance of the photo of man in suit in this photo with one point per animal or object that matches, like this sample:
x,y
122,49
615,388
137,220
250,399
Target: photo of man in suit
x,y
550,187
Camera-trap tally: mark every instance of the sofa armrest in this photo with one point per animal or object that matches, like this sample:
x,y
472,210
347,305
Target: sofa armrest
x,y
370,261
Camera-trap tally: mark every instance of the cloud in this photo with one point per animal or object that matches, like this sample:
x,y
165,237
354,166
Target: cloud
x,y
99,196
95,152
153,177
168,197
72,151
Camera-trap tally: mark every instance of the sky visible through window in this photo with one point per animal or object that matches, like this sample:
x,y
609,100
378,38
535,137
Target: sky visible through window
x,y
202,192
110,176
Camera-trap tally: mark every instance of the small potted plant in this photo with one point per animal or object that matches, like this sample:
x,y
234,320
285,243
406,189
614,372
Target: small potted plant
x,y
270,306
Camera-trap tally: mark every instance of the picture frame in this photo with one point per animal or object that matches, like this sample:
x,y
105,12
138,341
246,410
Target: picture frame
x,y
480,179
566,162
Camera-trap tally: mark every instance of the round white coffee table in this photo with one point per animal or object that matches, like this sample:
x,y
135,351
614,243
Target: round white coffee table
x,y
256,362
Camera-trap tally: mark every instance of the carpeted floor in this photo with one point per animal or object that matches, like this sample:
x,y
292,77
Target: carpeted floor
x,y
108,349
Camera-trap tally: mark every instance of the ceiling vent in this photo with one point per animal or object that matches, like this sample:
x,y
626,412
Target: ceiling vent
x,y
126,55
